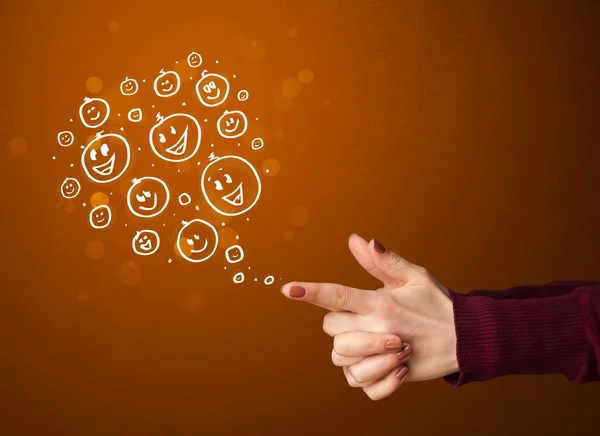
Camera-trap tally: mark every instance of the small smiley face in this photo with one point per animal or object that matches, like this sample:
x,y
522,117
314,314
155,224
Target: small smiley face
x,y
212,89
242,95
197,241
94,112
148,197
257,143
194,60
70,188
234,254
167,83
145,242
238,277
135,115
232,124
65,138
100,217
129,86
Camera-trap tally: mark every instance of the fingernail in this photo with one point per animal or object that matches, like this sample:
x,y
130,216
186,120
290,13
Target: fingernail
x,y
378,247
297,292
405,351
394,344
401,373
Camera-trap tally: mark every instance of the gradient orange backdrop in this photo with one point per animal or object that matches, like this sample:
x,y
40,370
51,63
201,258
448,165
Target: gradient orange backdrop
x,y
463,135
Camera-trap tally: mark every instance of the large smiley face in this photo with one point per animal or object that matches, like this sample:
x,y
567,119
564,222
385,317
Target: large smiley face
x,y
65,138
100,217
231,185
106,158
129,86
167,83
232,124
212,89
197,241
175,138
148,197
145,242
70,188
194,60
94,112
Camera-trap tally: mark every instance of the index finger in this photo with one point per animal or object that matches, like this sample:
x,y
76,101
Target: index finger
x,y
331,296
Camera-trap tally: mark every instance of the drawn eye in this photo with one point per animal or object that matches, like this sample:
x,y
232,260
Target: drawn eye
x,y
140,198
227,178
104,150
190,242
173,131
206,88
196,237
146,193
212,85
145,237
93,154
218,186
162,138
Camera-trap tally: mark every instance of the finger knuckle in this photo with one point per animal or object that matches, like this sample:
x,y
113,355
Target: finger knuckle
x,y
357,374
327,324
336,358
342,296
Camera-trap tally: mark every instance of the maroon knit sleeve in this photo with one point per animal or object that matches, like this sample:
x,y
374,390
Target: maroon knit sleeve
x,y
552,289
539,335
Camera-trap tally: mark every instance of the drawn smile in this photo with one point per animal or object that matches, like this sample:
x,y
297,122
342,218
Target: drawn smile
x,y
215,97
106,168
180,146
153,206
146,246
235,198
203,248
237,123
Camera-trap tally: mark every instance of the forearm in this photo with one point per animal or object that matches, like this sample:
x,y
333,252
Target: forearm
x,y
545,335
552,289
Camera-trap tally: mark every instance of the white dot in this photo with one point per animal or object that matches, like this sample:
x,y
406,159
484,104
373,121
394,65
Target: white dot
x,y
217,62
178,171
222,224
256,119
255,279
152,164
237,236
234,76
183,104
267,170
83,204
122,129
224,267
247,219
249,267
125,225
205,120
170,260
53,157
164,224
70,120
82,147
118,115
144,80
71,165
111,193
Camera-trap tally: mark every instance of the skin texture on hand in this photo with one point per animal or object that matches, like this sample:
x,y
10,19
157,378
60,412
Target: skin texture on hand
x,y
411,304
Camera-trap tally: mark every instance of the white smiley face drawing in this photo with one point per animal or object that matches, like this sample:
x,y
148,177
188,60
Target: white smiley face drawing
x,y
148,197
94,112
175,138
197,241
145,242
106,157
70,188
135,115
212,89
100,217
234,254
194,60
129,86
65,138
239,277
232,124
167,83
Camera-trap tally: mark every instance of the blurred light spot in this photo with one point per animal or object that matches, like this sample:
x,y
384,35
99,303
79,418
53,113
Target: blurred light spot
x,y
271,166
327,102
288,235
290,86
193,301
293,33
98,199
70,207
255,52
95,249
83,297
17,146
94,85
227,237
113,26
90,138
279,135
283,102
298,216
130,273
306,76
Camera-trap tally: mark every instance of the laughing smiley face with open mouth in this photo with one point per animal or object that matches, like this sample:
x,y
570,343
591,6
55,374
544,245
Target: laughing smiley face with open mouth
x,y
148,197
106,157
145,242
175,138
231,185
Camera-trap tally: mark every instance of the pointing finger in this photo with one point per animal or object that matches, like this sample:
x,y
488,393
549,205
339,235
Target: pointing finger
x,y
331,296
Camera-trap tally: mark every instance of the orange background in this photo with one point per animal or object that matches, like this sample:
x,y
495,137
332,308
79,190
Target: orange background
x,y
463,135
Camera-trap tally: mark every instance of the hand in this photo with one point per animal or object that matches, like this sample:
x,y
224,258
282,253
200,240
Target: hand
x,y
411,304
372,361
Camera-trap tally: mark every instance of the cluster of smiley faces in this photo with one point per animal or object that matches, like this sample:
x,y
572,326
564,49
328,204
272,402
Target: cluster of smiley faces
x,y
230,185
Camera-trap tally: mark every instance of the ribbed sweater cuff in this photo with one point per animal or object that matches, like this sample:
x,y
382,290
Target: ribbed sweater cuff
x,y
530,336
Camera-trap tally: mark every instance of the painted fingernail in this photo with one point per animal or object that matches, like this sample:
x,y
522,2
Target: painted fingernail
x,y
405,351
394,344
297,292
401,373
378,247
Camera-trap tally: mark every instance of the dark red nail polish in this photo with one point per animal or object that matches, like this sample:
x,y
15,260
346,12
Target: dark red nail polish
x,y
297,292
378,247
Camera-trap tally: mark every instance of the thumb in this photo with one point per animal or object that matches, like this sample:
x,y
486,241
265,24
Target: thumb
x,y
399,270
362,253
